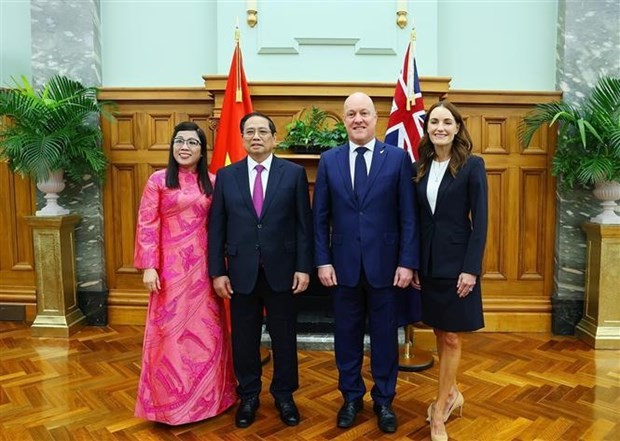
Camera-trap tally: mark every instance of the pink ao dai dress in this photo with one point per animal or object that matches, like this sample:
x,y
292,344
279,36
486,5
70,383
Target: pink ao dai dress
x,y
187,372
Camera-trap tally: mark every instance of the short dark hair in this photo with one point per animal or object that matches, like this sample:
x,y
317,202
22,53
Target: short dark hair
x,y
272,126
172,171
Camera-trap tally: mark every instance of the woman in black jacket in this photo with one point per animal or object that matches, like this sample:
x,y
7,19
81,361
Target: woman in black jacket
x,y
452,193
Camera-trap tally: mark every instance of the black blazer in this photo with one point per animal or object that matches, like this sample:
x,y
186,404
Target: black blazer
x,y
281,239
452,241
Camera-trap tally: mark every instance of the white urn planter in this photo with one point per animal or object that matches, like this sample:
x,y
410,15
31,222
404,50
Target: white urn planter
x,y
608,192
54,184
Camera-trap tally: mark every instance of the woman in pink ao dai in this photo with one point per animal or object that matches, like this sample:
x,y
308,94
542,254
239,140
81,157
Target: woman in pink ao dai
x,y
187,373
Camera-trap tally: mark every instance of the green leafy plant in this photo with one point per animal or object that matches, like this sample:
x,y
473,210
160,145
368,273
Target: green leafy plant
x,y
312,132
588,148
54,128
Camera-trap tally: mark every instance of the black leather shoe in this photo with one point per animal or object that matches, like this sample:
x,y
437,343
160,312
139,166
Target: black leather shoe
x,y
348,412
246,412
288,412
386,418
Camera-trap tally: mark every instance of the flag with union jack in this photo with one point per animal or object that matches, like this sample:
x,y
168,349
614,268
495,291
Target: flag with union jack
x,y
405,126
405,129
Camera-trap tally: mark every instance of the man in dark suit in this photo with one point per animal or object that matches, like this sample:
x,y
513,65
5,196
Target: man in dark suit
x,y
367,248
260,255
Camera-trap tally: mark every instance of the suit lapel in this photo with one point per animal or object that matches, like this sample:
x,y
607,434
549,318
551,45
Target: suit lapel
x,y
445,183
342,156
423,186
273,183
378,159
243,182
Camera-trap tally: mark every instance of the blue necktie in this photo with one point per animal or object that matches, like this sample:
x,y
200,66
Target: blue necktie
x,y
361,173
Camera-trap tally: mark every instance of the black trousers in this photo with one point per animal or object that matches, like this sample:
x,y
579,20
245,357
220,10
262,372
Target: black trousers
x,y
246,311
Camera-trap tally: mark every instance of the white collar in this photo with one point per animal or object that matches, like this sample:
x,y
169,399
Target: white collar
x,y
266,163
370,146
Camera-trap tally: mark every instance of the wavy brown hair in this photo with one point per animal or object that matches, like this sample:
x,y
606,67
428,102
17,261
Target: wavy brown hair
x,y
461,146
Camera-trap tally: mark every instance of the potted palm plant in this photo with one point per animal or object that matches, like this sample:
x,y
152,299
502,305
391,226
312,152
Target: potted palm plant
x,y
51,133
313,133
588,150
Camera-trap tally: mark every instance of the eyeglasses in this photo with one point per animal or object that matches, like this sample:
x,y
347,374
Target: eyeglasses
x,y
262,133
178,142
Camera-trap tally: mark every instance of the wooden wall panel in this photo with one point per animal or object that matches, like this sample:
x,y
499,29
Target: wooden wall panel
x,y
532,226
17,278
495,256
125,181
494,136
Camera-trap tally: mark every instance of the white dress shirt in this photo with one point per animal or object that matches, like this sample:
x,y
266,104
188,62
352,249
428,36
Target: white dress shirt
x,y
265,175
367,157
435,175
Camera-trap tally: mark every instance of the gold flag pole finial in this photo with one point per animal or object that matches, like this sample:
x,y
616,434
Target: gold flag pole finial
x,y
238,91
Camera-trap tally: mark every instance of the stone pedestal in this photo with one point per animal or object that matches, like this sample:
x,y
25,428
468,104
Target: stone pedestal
x,y
58,314
600,325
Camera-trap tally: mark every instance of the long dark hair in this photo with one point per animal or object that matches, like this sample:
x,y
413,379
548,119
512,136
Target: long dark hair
x,y
461,146
172,171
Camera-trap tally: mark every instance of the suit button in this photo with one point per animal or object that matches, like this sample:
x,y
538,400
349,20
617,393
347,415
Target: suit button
x,y
259,226
361,213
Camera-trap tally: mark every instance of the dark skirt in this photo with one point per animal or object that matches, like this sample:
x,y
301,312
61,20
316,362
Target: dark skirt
x,y
443,309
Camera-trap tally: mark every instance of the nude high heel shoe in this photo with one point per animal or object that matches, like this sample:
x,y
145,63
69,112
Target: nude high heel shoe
x,y
458,403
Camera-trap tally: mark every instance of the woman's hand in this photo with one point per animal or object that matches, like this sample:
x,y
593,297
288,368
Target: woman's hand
x,y
150,279
465,284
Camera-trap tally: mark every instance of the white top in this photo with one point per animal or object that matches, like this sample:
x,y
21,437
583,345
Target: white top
x,y
367,157
252,172
435,175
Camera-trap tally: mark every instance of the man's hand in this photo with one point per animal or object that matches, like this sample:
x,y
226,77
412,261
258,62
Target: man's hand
x,y
222,286
150,278
300,282
327,276
403,277
415,282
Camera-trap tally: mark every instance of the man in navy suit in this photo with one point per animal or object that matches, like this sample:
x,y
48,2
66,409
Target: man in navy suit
x,y
367,249
260,256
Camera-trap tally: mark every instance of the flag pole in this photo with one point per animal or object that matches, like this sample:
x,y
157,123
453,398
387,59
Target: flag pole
x,y
239,92
410,65
412,358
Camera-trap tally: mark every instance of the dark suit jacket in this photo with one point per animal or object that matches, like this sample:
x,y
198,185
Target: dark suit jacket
x,y
281,239
380,232
452,242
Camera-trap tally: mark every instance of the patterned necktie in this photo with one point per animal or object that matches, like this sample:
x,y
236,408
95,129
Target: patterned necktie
x,y
361,173
257,194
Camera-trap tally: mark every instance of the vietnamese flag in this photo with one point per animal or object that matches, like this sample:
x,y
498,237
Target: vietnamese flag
x,y
228,144
237,103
